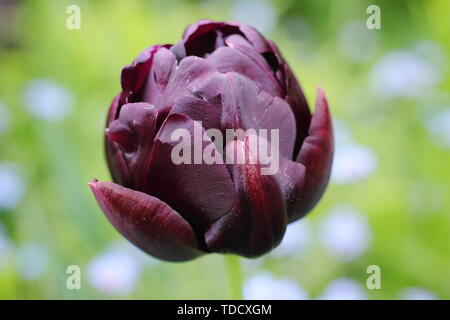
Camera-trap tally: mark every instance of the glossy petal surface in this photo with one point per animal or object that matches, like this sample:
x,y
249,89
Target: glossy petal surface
x,y
147,222
317,156
177,194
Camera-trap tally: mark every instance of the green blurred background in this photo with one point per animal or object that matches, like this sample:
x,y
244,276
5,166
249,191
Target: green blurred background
x,y
388,203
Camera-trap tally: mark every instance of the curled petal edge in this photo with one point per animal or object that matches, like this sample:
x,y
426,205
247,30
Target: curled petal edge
x,y
316,155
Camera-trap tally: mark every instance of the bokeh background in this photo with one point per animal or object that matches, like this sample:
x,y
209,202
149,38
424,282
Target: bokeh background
x,y
388,203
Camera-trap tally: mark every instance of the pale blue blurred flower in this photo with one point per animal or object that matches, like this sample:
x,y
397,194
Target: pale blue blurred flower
x,y
344,289
296,240
32,260
415,293
408,73
342,133
438,126
47,100
346,232
264,286
4,118
124,246
352,163
116,271
12,186
259,14
356,42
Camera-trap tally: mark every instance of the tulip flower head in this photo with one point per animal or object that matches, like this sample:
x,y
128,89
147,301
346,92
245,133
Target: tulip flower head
x,y
212,146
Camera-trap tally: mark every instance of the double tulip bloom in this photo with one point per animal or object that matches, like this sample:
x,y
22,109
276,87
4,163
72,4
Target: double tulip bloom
x,y
222,76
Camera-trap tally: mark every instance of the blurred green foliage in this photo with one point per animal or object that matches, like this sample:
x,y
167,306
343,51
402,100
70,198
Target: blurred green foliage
x,y
410,231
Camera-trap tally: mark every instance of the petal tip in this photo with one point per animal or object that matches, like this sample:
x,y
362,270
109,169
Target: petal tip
x,y
92,183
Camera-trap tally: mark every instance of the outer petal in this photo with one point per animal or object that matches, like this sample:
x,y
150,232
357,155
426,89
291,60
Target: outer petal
x,y
256,39
258,219
164,64
114,156
133,133
291,177
294,97
134,76
256,109
317,156
201,192
238,42
147,222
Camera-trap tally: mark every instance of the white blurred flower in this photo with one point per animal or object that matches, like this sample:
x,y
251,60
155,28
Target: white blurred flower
x,y
5,248
439,128
264,286
344,289
414,293
47,100
296,240
12,186
352,163
141,257
254,264
115,271
259,14
356,42
345,232
407,73
342,133
4,118
32,260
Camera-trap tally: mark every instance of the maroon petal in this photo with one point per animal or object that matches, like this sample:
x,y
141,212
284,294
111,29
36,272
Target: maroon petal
x,y
185,79
232,101
147,222
179,50
198,29
203,38
133,132
260,44
205,35
201,192
227,59
134,76
258,219
257,109
238,42
294,97
198,109
114,156
164,64
316,155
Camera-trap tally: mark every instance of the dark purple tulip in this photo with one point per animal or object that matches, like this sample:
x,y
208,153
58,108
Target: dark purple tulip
x,y
228,76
